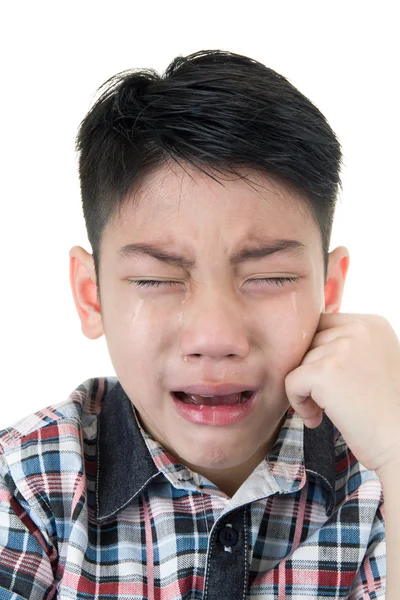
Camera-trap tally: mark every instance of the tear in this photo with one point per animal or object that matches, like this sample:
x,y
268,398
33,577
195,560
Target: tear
x,y
137,310
293,296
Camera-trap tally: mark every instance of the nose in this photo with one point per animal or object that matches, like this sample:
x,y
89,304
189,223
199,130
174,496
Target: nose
x,y
213,325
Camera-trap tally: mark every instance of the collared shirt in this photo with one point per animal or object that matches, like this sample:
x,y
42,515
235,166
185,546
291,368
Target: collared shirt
x,y
92,507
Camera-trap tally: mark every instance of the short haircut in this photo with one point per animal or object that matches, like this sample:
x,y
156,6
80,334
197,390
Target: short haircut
x,y
212,109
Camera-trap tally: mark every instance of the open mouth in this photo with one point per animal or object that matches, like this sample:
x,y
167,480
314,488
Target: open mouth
x,y
228,400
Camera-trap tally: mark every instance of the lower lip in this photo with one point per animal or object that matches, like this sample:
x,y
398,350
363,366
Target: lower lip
x,y
214,415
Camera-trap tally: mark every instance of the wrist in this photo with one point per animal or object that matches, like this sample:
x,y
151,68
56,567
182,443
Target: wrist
x,y
389,472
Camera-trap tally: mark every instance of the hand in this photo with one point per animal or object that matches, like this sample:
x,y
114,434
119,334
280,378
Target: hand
x,y
352,372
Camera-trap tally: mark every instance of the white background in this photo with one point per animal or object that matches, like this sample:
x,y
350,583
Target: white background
x,y
54,55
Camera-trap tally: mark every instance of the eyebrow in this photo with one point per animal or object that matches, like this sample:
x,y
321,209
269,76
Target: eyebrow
x,y
289,247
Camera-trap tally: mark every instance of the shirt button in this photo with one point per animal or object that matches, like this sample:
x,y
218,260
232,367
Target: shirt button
x,y
228,536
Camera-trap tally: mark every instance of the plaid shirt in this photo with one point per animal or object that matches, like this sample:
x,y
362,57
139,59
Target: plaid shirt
x,y
92,507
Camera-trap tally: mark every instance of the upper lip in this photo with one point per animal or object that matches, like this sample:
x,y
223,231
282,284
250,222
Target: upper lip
x,y
216,390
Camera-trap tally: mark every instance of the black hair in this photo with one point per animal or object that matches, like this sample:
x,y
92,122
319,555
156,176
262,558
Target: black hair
x,y
212,109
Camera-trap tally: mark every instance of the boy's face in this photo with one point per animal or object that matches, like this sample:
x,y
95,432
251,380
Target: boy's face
x,y
217,324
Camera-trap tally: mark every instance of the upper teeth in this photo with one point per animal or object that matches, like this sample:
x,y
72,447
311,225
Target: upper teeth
x,y
213,396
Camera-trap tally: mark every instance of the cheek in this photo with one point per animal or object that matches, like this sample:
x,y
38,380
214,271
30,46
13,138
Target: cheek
x,y
303,320
288,318
289,330
130,328
299,316
129,317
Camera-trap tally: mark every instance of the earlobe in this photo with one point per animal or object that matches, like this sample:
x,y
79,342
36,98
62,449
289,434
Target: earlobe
x,y
339,260
84,291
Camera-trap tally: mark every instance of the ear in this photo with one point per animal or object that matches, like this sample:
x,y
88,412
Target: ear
x,y
338,266
84,289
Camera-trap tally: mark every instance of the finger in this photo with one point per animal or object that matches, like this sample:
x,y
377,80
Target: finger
x,y
314,413
298,385
310,412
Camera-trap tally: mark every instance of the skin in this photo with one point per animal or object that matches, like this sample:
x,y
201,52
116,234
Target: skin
x,y
217,324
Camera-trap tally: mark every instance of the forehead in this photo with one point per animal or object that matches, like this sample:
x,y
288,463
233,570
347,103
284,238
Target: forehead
x,y
187,202
171,195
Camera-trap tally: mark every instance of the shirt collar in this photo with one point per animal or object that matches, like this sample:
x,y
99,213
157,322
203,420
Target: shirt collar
x,y
125,466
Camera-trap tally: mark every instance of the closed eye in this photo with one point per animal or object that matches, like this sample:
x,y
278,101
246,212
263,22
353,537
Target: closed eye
x,y
281,281
152,283
278,280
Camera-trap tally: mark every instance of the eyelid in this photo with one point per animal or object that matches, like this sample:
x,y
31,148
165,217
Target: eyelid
x,y
157,283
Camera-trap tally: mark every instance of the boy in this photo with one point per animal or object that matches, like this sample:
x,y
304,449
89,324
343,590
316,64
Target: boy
x,y
246,444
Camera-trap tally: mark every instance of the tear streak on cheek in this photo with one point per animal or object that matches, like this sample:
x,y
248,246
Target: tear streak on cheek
x,y
293,296
180,317
137,310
